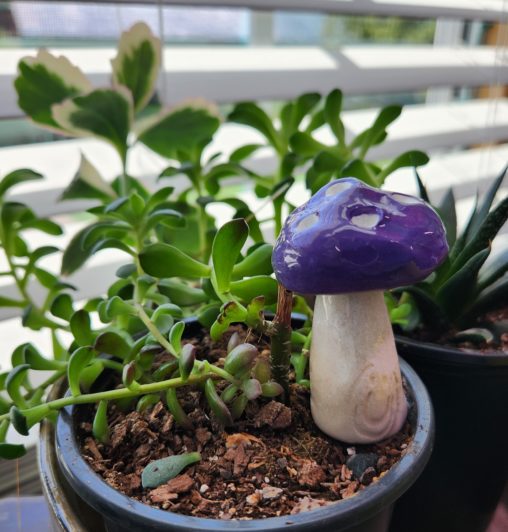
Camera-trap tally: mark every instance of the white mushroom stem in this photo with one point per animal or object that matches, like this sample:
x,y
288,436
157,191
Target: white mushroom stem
x,y
356,393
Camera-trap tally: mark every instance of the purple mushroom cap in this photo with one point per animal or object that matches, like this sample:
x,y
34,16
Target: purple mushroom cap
x,y
350,237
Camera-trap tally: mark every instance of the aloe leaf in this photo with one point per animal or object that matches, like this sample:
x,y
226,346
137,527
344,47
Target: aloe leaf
x,y
484,235
160,471
483,210
491,297
493,270
447,212
455,294
137,63
422,190
226,247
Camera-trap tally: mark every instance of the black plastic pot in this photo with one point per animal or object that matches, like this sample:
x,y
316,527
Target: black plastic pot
x,y
460,488
369,511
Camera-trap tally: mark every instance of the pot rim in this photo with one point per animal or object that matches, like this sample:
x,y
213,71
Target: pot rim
x,y
370,501
452,355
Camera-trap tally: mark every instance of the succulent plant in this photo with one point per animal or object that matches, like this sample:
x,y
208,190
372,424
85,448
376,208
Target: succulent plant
x,y
465,286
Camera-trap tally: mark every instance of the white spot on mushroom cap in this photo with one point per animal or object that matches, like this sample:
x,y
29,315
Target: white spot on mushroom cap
x,y
366,221
336,188
406,200
291,258
307,222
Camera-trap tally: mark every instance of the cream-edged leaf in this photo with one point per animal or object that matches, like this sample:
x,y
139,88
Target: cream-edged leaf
x,y
137,63
88,184
45,80
103,113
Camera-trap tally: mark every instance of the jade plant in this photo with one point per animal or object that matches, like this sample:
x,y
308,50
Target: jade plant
x,y
466,285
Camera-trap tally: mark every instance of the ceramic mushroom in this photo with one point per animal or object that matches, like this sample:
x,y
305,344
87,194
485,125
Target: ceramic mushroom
x,y
346,245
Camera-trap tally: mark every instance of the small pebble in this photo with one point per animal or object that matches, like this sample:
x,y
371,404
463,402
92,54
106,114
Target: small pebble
x,y
351,451
204,488
271,492
267,480
360,462
368,475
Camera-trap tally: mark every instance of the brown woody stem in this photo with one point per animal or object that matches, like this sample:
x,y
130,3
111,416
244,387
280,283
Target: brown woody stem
x,y
281,340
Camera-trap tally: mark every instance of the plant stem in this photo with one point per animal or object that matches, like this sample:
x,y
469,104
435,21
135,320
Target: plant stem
x,y
281,340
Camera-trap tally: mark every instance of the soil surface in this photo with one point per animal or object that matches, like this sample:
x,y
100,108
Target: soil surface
x,y
273,462
496,319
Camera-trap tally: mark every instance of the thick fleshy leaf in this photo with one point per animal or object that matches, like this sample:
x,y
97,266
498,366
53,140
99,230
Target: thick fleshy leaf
x,y
81,328
183,130
16,177
258,262
385,117
494,269
176,409
75,255
217,405
88,184
250,114
244,152
305,145
447,212
100,428
46,80
226,247
230,312
78,361
137,63
103,113
160,471
38,362
163,260
413,159
12,451
181,294
112,343
259,285
14,384
332,110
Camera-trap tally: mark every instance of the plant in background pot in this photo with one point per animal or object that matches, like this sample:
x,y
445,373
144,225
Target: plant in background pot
x,y
455,338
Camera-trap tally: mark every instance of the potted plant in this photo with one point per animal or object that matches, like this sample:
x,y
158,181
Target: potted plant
x,y
455,338
204,416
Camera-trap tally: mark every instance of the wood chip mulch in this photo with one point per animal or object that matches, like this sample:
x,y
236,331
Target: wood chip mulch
x,y
273,462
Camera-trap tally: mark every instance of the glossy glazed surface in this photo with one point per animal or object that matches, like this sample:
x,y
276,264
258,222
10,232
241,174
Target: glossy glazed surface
x,y
350,237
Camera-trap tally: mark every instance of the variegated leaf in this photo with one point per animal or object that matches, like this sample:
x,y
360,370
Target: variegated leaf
x,y
45,80
137,63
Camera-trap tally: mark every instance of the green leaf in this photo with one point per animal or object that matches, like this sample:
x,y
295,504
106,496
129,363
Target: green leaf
x,y
36,361
176,410
448,214
9,302
260,285
186,361
18,421
11,451
490,298
78,361
181,294
413,158
226,248
16,177
81,328
303,144
164,260
175,335
62,307
230,312
332,110
104,113
252,389
164,216
207,314
112,343
14,384
250,114
258,262
483,210
87,183
385,117
244,152
493,270
216,404
421,188
100,428
46,80
137,63
184,130
241,359
455,294
75,255
46,226
484,235
361,170
160,471
116,306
